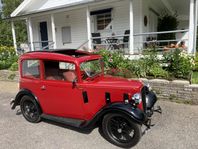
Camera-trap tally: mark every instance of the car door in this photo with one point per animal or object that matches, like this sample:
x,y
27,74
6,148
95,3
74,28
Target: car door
x,y
58,96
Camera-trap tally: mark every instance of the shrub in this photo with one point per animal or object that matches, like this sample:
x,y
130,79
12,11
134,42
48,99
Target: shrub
x,y
196,63
158,72
180,64
14,66
7,57
114,60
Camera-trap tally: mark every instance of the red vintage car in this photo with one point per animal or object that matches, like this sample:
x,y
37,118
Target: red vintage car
x,y
70,87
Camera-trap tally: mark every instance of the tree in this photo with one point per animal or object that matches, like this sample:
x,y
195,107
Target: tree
x,y
5,25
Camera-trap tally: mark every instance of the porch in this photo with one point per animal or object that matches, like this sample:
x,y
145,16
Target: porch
x,y
128,26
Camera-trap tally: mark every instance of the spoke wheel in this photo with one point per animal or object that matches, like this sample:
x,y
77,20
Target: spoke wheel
x,y
120,130
30,109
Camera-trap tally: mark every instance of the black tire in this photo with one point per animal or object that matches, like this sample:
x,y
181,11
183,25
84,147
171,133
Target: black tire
x,y
30,109
120,130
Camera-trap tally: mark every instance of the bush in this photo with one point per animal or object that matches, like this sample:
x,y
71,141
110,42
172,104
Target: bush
x,y
114,60
158,72
196,63
180,64
14,66
7,57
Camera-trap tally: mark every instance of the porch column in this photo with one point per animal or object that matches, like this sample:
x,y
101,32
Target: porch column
x,y
53,31
192,27
30,34
131,42
88,28
14,36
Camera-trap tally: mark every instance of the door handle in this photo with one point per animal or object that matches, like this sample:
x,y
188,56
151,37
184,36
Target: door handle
x,y
43,87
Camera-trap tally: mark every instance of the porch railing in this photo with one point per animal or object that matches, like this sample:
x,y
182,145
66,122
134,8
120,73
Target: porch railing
x,y
43,45
142,41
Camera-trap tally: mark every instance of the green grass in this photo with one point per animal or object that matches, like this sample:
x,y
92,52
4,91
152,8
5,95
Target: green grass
x,y
195,78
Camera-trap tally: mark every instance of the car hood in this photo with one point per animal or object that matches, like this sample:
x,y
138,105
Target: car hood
x,y
118,82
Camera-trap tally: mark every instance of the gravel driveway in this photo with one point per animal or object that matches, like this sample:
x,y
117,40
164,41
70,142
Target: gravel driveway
x,y
176,128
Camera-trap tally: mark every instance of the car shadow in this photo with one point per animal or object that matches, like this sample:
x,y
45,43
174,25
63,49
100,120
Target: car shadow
x,y
79,130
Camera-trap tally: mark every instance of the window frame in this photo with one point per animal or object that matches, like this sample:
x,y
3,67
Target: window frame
x,y
31,78
103,19
59,61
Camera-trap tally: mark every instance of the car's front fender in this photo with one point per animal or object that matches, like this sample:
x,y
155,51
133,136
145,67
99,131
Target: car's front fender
x,y
135,114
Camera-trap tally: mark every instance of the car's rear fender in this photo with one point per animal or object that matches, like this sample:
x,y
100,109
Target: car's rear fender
x,y
135,114
22,93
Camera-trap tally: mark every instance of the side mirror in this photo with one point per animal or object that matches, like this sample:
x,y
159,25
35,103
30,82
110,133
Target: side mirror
x,y
74,83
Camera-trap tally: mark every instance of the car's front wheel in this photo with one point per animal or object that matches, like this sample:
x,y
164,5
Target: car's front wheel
x,y
30,109
121,130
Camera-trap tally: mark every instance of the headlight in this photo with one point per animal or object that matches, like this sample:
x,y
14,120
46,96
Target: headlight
x,y
137,98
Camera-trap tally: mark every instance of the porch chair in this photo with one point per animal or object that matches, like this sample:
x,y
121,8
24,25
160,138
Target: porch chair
x,y
96,41
125,43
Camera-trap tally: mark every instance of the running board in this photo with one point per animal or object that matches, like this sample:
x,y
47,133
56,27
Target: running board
x,y
67,121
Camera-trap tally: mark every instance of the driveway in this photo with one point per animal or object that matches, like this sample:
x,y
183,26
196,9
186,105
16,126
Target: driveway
x,y
176,128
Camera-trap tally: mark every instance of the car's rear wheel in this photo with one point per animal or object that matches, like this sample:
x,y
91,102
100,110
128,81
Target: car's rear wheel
x,y
30,109
121,130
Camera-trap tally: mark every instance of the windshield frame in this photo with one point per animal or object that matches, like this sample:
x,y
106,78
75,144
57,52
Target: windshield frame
x,y
97,74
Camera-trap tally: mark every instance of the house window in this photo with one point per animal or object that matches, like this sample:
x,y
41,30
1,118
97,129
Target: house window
x,y
30,69
66,34
103,21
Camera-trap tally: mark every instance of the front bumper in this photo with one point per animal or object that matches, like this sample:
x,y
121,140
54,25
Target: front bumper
x,y
12,104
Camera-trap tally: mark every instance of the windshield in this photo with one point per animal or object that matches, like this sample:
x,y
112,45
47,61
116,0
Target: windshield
x,y
90,69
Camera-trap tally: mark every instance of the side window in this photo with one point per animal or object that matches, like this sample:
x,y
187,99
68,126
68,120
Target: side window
x,y
30,69
62,71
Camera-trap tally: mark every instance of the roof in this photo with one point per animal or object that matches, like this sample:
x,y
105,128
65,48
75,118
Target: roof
x,y
70,55
35,6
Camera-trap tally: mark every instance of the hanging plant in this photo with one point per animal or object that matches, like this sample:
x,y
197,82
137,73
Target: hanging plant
x,y
167,22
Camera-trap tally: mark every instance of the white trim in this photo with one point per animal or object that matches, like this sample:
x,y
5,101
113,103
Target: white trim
x,y
191,28
14,36
30,34
131,19
53,31
20,8
195,26
88,27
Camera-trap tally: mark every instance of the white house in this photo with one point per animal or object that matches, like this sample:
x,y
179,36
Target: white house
x,y
77,23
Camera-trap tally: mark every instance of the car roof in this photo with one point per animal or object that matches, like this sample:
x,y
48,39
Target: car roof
x,y
61,54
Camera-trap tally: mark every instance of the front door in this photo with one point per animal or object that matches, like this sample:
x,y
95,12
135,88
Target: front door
x,y
44,35
58,97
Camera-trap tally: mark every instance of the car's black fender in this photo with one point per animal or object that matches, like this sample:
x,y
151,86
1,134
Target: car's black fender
x,y
135,114
151,99
20,94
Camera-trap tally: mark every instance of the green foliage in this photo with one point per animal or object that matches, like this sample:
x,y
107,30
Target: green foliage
x,y
7,57
196,62
158,72
14,66
5,26
180,64
195,78
114,60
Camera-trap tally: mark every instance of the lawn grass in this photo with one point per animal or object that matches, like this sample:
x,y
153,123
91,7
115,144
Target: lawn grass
x,y
195,78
